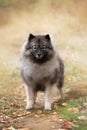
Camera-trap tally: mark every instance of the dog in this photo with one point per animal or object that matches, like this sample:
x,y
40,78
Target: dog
x,y
41,69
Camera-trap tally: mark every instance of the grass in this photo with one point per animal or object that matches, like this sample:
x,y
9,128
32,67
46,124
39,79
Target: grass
x,y
64,111
68,115
73,110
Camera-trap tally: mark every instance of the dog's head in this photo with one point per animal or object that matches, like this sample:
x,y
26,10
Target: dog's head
x,y
40,48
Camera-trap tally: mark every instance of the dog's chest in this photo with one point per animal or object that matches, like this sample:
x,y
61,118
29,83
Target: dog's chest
x,y
39,72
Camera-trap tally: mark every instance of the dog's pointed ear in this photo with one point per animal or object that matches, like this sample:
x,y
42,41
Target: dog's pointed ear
x,y
47,36
31,36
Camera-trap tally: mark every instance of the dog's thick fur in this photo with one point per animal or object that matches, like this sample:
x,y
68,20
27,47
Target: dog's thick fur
x,y
42,68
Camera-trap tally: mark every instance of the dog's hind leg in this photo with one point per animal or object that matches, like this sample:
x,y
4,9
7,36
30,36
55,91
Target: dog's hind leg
x,y
62,95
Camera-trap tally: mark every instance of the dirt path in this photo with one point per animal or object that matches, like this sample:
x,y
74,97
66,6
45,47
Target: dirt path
x,y
38,119
40,123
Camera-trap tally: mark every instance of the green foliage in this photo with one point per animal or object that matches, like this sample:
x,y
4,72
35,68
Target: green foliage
x,y
68,115
63,111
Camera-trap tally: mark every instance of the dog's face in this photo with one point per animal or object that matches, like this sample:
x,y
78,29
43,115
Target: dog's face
x,y
40,48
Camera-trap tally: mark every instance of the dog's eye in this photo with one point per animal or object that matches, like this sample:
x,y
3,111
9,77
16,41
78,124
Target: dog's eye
x,y
43,47
34,47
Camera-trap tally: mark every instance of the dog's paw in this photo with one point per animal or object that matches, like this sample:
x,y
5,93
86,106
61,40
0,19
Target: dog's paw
x,y
28,107
48,107
62,97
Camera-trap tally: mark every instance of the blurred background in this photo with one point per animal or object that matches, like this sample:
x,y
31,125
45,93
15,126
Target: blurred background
x,y
64,20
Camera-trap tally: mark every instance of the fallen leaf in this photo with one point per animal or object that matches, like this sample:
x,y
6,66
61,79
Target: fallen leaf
x,y
82,118
54,113
11,128
37,116
74,109
61,120
64,104
39,112
67,125
71,123
26,113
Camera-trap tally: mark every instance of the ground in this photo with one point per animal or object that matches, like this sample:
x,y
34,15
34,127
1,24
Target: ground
x,y
68,29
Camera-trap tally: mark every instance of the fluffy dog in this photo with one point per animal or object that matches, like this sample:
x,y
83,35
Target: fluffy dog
x,y
42,68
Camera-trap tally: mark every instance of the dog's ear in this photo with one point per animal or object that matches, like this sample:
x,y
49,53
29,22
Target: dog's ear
x,y
47,36
31,36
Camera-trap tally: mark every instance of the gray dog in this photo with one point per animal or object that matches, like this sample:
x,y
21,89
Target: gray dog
x,y
42,68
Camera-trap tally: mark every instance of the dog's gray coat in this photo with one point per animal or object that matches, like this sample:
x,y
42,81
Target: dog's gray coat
x,y
41,76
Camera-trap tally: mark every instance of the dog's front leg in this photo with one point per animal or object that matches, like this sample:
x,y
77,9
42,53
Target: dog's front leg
x,y
30,97
48,97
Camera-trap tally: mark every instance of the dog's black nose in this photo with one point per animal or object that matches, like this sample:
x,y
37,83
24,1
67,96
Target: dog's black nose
x,y
39,54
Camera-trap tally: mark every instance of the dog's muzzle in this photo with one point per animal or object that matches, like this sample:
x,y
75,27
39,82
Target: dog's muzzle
x,y
39,56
